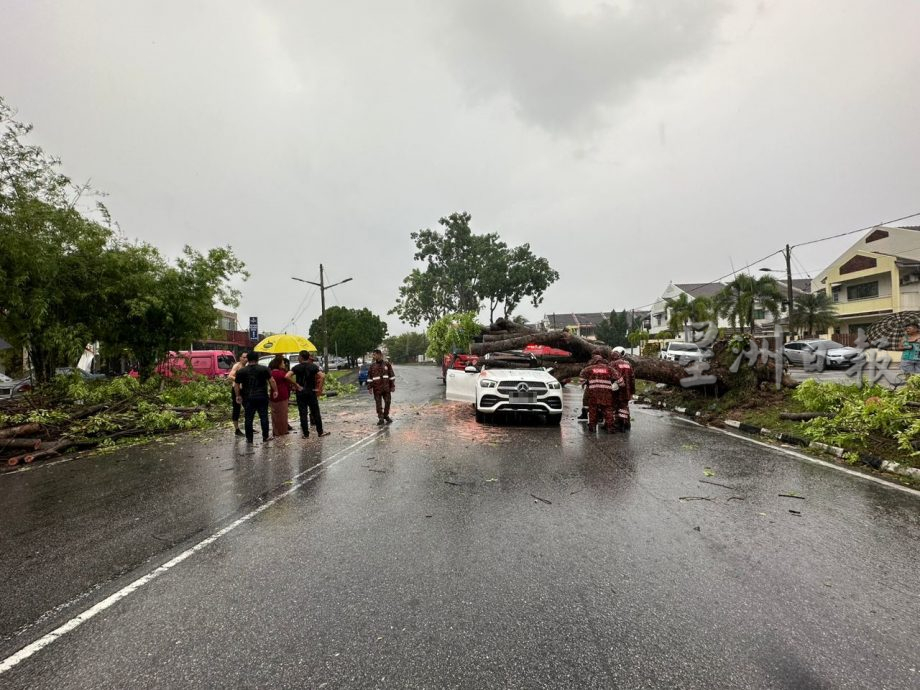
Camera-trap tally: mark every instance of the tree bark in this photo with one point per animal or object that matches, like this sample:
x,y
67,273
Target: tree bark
x,y
21,430
27,443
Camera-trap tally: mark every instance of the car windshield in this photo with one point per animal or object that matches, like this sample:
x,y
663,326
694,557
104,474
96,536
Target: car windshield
x,y
824,345
510,360
683,347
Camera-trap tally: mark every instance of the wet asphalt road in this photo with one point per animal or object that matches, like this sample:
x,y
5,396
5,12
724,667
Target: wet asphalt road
x,y
440,553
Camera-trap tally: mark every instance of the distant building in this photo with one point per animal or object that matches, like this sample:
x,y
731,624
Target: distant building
x,y
584,324
878,275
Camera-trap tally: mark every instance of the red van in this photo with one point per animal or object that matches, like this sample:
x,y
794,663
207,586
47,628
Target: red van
x,y
209,363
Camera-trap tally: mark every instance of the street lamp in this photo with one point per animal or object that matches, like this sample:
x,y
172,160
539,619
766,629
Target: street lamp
x,y
787,253
322,297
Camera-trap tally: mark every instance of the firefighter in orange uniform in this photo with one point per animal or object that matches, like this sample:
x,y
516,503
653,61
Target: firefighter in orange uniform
x,y
626,391
602,381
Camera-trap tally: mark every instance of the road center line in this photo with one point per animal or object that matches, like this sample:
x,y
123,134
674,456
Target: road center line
x,y
127,590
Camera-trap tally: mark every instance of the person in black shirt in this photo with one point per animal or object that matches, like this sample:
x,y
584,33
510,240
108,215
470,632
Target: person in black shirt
x,y
251,388
304,377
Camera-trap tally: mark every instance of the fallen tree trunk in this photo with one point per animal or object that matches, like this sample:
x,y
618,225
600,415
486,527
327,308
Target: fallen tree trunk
x,y
646,368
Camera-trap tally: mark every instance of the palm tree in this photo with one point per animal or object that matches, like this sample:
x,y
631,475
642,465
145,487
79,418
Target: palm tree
x,y
739,298
813,313
686,310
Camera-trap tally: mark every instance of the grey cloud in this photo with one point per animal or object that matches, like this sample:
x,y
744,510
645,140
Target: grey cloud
x,y
562,71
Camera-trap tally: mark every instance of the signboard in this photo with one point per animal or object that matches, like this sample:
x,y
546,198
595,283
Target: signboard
x,y
253,328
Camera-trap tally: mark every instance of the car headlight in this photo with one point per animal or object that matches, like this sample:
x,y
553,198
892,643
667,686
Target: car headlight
x,y
487,383
554,385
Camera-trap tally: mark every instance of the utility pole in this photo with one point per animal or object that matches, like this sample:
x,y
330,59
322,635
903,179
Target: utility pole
x,y
322,300
788,255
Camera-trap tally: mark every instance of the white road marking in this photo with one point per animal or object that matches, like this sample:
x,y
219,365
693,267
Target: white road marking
x,y
803,456
112,599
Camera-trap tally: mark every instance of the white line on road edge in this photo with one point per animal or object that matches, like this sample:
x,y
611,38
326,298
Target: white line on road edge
x,y
809,458
91,612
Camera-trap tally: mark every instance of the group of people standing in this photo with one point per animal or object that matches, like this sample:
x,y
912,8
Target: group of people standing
x,y
258,389
609,386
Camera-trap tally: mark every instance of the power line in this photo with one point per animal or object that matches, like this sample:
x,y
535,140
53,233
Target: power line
x,y
781,251
853,232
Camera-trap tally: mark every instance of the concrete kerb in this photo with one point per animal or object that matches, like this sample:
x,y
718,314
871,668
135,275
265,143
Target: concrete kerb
x,y
866,458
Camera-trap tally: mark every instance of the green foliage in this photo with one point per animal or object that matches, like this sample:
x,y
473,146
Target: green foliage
x,y
463,269
352,332
155,420
406,347
75,387
452,333
813,313
684,309
612,330
199,392
651,349
858,414
738,300
664,335
334,385
637,337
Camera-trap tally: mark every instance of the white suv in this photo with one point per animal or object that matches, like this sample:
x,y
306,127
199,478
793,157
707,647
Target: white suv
x,y
507,382
683,353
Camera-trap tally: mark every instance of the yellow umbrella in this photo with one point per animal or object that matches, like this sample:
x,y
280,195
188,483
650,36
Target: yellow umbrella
x,y
285,343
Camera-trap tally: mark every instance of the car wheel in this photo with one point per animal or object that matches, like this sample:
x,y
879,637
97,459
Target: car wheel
x,y
820,364
554,419
787,360
480,417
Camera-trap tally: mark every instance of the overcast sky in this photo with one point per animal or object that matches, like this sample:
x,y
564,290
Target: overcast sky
x,y
630,143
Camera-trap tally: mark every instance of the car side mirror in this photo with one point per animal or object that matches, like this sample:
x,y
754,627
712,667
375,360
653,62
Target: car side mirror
x,y
470,370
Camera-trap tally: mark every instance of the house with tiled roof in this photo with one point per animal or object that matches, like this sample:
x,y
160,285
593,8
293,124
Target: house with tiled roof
x,y
584,324
878,275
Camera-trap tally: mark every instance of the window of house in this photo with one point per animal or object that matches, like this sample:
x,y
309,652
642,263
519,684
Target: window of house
x,y
835,294
862,291
760,314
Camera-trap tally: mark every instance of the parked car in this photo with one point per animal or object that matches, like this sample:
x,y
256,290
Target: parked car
x,y
819,353
11,388
85,375
362,374
507,382
209,363
683,353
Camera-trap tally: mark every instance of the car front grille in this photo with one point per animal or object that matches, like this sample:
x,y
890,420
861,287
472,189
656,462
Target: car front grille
x,y
532,386
554,403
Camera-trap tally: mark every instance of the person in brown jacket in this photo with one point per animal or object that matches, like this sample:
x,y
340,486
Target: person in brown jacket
x,y
626,391
381,381
602,382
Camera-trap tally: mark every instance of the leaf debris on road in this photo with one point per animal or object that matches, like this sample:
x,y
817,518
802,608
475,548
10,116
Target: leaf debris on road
x,y
709,472
724,486
801,498
694,498
541,499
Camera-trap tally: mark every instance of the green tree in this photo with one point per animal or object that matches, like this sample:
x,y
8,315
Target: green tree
x,y
813,313
463,269
452,333
352,332
66,279
406,347
739,298
685,309
637,337
612,330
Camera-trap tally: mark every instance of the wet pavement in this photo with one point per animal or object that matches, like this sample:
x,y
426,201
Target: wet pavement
x,y
442,553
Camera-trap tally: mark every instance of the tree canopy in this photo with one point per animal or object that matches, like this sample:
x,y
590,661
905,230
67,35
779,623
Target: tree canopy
x,y
613,329
352,332
68,278
406,347
739,298
813,313
463,270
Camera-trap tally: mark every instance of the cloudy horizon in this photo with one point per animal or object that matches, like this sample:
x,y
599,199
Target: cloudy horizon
x,y
630,143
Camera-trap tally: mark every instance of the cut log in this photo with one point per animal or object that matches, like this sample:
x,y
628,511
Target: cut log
x,y
21,430
27,443
803,416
